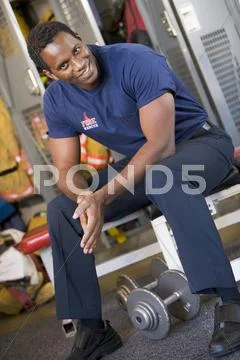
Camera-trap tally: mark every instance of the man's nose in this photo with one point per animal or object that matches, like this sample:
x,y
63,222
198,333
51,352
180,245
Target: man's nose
x,y
77,65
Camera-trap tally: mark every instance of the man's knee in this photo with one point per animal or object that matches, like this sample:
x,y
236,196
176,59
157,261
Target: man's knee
x,y
160,179
59,217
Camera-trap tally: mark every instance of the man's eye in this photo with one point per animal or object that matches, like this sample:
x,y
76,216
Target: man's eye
x,y
76,50
64,66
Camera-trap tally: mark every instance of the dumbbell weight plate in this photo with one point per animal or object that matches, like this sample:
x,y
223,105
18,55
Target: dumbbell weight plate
x,y
188,305
125,285
158,267
148,314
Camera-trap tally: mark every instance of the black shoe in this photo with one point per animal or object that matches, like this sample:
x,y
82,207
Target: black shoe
x,y
94,344
226,335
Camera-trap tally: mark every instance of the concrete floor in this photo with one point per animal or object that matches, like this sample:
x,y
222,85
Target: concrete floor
x,y
38,336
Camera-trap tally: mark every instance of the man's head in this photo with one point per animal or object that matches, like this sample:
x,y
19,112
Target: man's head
x,y
61,55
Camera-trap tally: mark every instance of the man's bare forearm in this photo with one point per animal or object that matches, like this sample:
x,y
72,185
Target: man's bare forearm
x,y
74,186
147,155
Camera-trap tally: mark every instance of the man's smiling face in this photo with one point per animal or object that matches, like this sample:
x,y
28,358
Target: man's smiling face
x,y
70,60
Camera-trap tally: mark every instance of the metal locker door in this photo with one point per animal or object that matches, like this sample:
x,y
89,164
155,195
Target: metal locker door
x,y
22,75
166,37
78,15
21,89
213,38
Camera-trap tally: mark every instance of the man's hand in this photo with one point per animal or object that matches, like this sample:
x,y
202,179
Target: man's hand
x,y
90,211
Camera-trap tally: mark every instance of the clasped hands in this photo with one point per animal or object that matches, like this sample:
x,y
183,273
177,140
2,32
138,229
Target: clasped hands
x,y
90,211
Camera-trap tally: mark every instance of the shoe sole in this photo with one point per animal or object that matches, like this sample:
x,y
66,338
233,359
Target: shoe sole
x,y
227,352
105,350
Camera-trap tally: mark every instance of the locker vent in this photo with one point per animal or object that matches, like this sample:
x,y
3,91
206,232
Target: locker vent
x,y
226,69
7,44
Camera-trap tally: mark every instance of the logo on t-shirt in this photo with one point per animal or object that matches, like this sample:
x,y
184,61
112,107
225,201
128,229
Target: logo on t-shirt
x,y
88,123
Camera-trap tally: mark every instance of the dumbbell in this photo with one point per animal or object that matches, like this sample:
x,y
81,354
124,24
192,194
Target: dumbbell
x,y
125,284
149,312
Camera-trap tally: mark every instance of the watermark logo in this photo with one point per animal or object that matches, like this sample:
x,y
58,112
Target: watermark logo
x,y
159,179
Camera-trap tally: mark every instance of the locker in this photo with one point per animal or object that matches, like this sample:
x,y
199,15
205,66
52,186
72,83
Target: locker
x,y
203,49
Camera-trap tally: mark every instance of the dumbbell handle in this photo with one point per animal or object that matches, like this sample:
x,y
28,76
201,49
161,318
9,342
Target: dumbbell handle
x,y
151,285
170,299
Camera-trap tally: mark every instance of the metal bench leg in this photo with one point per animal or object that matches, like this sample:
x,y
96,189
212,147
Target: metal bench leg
x,y
167,243
47,259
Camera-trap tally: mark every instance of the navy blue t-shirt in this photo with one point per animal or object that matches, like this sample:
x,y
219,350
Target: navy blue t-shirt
x,y
132,75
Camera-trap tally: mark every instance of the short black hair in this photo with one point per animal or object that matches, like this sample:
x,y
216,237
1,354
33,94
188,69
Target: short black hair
x,y
42,35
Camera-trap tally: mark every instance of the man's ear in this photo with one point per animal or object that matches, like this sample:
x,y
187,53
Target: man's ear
x,y
50,75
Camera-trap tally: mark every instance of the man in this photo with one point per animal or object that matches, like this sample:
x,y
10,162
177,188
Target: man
x,y
126,97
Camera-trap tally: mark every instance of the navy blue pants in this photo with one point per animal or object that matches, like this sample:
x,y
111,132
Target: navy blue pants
x,y
199,245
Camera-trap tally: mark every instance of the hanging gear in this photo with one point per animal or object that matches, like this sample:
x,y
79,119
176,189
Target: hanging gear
x,y
15,183
94,153
136,30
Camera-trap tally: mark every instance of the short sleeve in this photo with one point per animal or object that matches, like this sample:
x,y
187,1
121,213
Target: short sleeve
x,y
57,124
150,77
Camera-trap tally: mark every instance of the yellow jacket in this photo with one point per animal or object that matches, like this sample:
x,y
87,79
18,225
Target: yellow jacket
x,y
15,183
94,153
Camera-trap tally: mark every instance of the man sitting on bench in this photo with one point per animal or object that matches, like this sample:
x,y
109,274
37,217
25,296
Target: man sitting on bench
x,y
126,97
